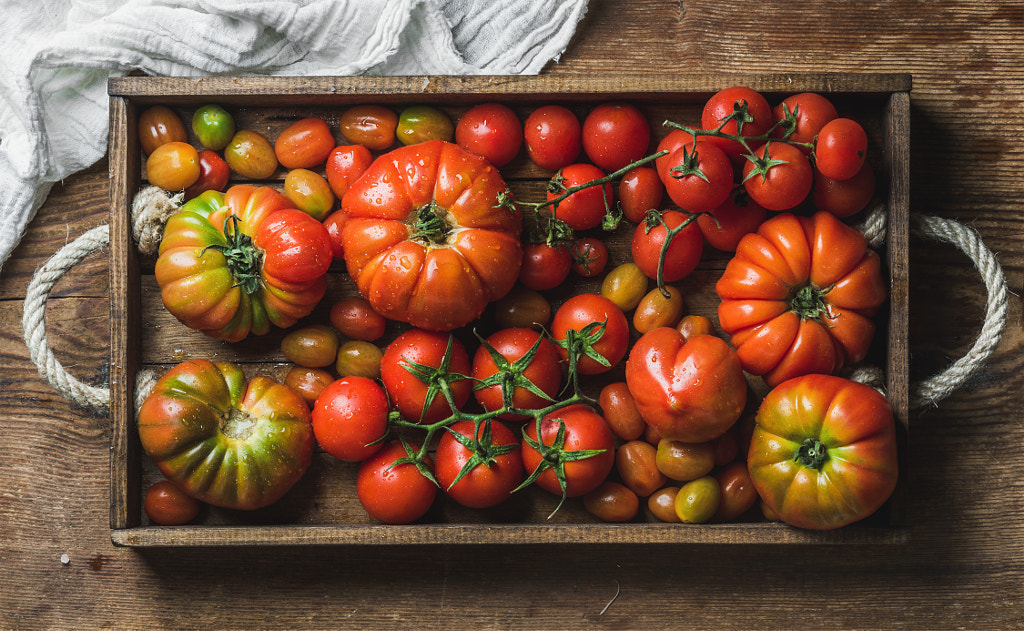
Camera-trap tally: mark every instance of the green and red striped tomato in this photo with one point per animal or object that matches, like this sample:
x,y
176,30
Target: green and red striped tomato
x,y
224,440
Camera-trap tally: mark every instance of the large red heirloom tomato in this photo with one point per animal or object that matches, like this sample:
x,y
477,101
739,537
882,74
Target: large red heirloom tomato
x,y
236,263
687,390
223,440
799,296
427,242
823,451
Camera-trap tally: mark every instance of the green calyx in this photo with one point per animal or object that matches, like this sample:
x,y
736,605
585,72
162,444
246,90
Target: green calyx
x,y
812,453
431,225
244,259
809,303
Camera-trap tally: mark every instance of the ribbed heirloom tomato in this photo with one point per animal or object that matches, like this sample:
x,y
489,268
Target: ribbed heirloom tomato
x,y
223,440
236,263
425,241
823,451
799,297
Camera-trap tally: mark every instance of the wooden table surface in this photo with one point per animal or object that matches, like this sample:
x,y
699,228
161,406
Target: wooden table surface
x,y
961,569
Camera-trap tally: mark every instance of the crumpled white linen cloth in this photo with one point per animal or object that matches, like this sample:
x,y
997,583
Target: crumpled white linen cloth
x,y
56,55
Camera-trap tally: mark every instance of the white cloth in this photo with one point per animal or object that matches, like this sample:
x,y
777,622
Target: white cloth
x,y
56,56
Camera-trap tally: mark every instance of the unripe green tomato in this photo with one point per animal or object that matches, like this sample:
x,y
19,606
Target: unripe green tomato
x,y
213,126
420,123
698,500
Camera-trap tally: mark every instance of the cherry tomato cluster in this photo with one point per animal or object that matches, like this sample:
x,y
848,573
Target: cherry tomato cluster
x,y
442,409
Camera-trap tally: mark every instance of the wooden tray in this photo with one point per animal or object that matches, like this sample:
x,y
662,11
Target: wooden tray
x,y
322,508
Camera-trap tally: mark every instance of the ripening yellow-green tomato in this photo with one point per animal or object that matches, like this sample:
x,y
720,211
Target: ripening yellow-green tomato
x,y
420,123
655,310
684,461
310,192
251,155
625,285
313,346
357,358
698,500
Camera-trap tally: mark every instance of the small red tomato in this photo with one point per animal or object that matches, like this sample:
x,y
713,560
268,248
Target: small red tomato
x,y
372,126
615,134
344,166
589,256
580,320
698,176
737,110
780,177
213,174
498,470
803,115
544,266
520,374
397,494
553,137
304,144
584,209
349,417
408,388
640,190
724,226
844,198
491,130
355,318
584,430
840,149
168,505
683,252
522,307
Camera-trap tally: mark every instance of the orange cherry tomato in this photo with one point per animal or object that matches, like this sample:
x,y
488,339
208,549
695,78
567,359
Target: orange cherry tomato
x,y
662,504
308,382
619,409
636,462
304,144
159,125
372,126
251,155
612,502
173,166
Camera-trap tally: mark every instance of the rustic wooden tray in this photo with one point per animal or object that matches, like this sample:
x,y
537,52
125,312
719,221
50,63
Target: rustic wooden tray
x,y
322,508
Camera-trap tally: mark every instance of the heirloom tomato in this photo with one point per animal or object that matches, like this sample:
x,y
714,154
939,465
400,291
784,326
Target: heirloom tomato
x,y
823,452
426,241
394,493
416,369
518,368
688,390
223,440
799,295
575,441
236,263
479,465
491,130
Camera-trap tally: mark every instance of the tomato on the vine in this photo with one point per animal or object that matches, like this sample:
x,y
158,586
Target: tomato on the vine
x,y
584,209
739,111
683,252
491,130
778,176
808,111
724,226
517,367
595,325
589,256
416,368
640,191
553,137
698,176
394,493
840,149
350,417
615,134
488,460
580,429
544,266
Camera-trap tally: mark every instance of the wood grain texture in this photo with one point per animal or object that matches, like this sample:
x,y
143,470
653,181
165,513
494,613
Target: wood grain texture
x,y
962,569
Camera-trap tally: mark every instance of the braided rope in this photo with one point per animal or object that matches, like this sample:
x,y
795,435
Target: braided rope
x,y
151,208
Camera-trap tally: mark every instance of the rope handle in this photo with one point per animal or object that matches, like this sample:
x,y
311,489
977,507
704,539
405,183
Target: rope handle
x,y
152,207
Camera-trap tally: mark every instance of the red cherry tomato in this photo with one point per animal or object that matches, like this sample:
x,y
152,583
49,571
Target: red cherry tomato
x,y
213,174
840,149
585,208
846,197
349,416
553,137
589,256
640,190
698,176
304,144
724,226
168,505
397,494
615,134
491,130
684,251
344,165
809,111
544,266
582,314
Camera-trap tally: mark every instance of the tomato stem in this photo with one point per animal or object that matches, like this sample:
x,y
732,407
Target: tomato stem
x,y
812,453
243,259
655,217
